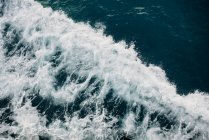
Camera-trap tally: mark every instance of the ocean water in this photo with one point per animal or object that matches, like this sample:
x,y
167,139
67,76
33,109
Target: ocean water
x,y
171,34
98,70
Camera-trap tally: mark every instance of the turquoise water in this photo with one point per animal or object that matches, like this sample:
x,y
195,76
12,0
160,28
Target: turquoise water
x,y
172,34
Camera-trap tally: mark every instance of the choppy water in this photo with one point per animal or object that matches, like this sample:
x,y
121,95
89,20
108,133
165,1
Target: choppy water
x,y
173,34
60,79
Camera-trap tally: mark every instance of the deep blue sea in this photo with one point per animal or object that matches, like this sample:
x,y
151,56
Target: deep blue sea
x,y
104,69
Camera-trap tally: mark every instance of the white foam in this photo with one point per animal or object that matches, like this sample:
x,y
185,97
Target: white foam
x,y
87,52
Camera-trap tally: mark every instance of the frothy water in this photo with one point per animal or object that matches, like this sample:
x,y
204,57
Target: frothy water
x,y
65,80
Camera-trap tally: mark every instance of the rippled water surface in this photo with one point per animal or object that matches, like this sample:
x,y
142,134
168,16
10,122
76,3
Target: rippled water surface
x,y
64,79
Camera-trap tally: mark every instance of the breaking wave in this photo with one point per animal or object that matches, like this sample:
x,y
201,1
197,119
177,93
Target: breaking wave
x,y
65,80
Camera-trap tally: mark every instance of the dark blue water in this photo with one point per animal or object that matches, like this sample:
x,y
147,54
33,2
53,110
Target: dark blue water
x,y
58,82
172,34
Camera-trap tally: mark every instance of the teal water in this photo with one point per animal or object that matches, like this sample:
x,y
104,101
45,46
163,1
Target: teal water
x,y
172,34
63,78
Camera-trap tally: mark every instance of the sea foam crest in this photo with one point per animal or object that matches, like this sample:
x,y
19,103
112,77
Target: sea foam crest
x,y
65,80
